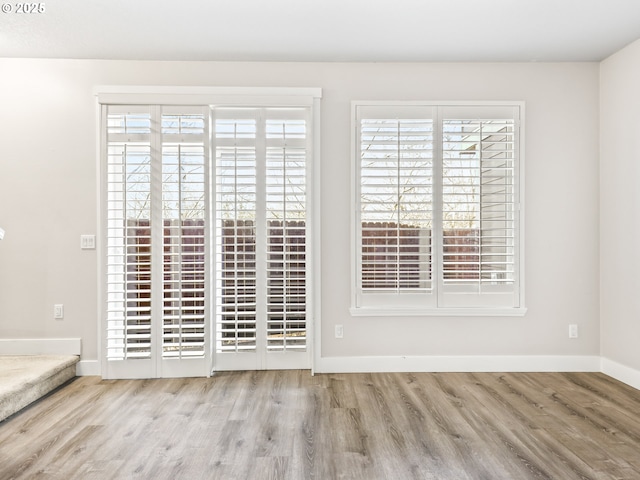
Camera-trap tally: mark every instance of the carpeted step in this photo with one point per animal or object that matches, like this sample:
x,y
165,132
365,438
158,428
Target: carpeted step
x,y
26,378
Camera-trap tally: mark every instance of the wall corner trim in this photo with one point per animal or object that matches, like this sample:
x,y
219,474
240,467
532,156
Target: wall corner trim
x,y
621,372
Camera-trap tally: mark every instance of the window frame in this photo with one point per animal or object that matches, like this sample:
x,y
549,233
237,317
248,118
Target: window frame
x,y
431,304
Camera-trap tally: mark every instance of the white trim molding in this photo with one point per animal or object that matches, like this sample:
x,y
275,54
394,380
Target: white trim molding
x,y
50,346
461,363
180,95
437,312
40,346
620,372
88,368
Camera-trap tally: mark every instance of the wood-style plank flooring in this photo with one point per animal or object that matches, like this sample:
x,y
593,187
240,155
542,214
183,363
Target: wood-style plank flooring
x,y
290,425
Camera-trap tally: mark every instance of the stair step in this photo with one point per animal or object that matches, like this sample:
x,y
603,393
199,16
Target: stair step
x,y
26,378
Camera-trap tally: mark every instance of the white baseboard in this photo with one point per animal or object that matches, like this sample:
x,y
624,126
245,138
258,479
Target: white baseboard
x,y
463,363
87,368
516,363
620,372
40,346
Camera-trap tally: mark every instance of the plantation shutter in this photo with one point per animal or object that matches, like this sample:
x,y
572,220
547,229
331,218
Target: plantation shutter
x,y
286,207
184,209
395,221
156,185
261,234
236,208
129,249
479,207
437,218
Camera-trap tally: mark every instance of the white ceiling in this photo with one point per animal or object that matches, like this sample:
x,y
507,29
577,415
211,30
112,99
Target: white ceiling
x,y
322,30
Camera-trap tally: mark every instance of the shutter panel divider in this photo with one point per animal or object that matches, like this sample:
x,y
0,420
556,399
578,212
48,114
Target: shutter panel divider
x,y
261,238
157,241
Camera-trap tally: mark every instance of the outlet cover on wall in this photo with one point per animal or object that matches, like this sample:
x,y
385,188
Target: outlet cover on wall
x,y
573,331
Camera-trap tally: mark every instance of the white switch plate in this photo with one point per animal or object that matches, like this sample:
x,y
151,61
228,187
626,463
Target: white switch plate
x,y
58,311
339,331
87,242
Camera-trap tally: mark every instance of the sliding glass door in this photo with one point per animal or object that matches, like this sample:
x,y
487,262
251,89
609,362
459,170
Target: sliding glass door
x,y
206,239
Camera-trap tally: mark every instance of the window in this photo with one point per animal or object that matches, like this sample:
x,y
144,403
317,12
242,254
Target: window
x,y
437,209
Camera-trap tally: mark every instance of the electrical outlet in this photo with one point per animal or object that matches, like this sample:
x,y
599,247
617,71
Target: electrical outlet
x,y
573,331
58,311
339,331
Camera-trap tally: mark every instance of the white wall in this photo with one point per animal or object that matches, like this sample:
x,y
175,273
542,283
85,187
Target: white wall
x,y
620,207
48,196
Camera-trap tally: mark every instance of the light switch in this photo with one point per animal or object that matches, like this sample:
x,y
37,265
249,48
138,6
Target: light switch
x,y
87,242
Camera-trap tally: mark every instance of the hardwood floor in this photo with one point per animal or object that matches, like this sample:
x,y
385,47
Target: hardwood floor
x,y
290,425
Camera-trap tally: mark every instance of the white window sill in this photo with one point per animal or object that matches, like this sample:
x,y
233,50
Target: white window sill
x,y
438,312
